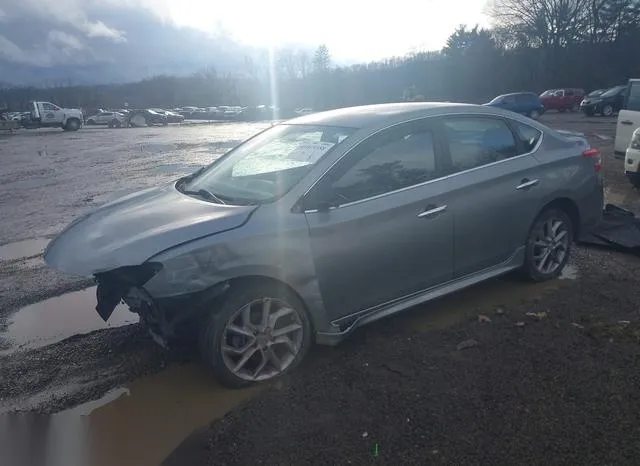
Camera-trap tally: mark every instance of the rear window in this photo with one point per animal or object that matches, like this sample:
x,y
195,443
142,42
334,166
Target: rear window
x,y
528,135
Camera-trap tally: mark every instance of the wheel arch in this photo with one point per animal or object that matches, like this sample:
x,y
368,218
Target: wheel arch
x,y
250,279
569,207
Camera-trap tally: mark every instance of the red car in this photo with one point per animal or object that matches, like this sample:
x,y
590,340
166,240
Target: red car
x,y
562,99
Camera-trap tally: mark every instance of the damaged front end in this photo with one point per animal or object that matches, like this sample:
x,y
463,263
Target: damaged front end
x,y
163,317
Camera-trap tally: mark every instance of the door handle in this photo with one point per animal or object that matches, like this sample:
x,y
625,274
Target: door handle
x,y
526,184
626,122
431,211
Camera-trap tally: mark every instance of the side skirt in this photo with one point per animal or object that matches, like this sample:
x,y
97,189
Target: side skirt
x,y
367,316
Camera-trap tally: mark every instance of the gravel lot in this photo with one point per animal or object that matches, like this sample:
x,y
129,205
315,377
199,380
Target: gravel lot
x,y
557,389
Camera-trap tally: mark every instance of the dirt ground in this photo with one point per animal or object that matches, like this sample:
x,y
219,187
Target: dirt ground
x,y
556,387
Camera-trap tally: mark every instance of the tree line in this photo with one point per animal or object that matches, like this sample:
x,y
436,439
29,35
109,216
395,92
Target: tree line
x,y
532,45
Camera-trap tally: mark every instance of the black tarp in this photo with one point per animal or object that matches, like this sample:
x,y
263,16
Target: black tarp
x,y
619,229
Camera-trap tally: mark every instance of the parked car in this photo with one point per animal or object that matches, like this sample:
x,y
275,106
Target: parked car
x,y
627,125
113,119
562,99
525,103
605,104
145,117
172,117
378,208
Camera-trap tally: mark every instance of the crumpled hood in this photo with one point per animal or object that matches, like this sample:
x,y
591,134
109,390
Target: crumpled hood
x,y
130,230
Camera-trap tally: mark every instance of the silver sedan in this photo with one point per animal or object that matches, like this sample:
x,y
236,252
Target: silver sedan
x,y
321,224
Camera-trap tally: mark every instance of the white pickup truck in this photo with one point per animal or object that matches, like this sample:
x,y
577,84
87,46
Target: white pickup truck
x,y
48,115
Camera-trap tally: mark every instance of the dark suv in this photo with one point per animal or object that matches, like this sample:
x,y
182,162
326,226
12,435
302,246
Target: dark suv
x,y
562,99
526,103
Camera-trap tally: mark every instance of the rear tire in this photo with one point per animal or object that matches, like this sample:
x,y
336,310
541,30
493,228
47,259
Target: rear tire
x,y
534,114
243,337
73,124
562,110
548,246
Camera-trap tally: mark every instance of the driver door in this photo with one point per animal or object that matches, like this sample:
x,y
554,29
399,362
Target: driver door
x,y
378,221
51,113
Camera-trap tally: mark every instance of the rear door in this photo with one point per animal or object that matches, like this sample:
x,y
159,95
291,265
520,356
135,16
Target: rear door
x,y
492,188
628,117
385,230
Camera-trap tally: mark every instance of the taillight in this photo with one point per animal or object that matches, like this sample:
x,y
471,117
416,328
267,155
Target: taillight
x,y
593,153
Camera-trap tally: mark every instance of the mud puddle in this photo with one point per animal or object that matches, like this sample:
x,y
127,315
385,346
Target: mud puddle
x,y
58,318
20,249
137,425
482,298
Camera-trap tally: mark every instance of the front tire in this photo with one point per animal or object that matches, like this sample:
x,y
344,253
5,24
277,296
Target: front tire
x,y
548,245
260,332
607,110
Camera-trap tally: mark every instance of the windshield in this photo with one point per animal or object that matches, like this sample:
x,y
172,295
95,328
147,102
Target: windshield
x,y
613,91
497,99
595,93
547,93
267,166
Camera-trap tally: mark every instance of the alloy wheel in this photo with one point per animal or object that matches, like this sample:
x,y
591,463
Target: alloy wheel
x,y
551,245
262,339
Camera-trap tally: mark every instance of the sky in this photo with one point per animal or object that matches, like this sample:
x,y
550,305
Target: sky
x,y
120,40
351,29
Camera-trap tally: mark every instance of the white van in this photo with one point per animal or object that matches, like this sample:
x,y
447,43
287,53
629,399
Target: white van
x,y
628,117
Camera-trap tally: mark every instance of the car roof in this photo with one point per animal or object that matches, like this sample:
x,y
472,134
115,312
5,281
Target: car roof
x,y
388,114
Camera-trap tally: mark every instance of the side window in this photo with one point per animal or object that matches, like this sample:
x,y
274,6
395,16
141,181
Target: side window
x,y
633,103
401,158
528,135
568,92
49,107
477,141
509,99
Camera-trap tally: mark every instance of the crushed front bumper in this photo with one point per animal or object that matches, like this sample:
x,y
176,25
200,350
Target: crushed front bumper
x,y
165,318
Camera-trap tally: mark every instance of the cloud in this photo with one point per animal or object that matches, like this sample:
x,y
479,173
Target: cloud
x,y
72,13
88,41
12,52
64,40
99,29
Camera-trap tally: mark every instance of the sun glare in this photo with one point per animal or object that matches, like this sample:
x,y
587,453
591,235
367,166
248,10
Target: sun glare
x,y
354,30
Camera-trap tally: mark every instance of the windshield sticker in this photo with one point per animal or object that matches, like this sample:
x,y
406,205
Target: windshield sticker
x,y
310,152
